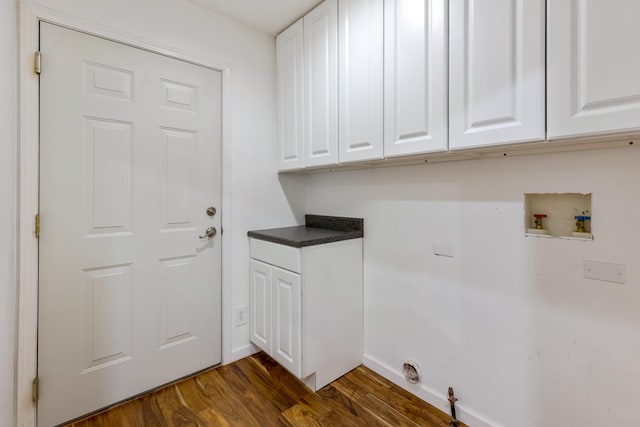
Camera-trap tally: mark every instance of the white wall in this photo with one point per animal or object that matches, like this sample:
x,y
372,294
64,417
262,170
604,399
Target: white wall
x,y
509,322
8,65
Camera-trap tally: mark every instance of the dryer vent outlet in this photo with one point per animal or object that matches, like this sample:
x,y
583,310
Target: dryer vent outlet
x,y
412,372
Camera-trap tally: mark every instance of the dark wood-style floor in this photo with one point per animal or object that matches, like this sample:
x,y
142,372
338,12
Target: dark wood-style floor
x,y
256,391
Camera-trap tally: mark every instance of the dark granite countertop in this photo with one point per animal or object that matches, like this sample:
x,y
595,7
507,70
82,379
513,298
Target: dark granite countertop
x,y
318,229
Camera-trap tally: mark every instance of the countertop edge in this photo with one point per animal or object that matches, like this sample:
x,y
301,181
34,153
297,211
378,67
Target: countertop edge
x,y
305,243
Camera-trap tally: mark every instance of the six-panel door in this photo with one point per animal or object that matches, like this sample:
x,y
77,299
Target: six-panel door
x,y
129,295
593,67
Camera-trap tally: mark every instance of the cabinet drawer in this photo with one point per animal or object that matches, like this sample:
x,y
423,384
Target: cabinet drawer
x,y
281,256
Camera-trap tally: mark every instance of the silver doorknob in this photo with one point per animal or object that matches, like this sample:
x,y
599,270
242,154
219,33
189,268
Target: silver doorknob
x,y
209,232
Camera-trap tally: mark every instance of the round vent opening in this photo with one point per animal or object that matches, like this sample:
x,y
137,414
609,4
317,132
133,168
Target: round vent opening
x,y
411,371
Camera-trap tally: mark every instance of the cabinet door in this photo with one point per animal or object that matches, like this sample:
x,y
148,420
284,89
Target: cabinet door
x,y
593,67
497,72
321,85
289,45
360,79
415,64
260,305
287,319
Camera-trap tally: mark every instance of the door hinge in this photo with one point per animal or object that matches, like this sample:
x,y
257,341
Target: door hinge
x,y
37,226
35,391
38,62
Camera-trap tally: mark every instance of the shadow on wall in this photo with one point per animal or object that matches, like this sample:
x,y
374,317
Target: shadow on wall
x,y
294,187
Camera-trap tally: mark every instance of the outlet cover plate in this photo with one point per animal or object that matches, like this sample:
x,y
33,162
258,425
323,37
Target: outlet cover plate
x,y
240,315
604,271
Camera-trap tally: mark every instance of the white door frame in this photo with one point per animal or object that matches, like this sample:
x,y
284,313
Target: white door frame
x,y
29,175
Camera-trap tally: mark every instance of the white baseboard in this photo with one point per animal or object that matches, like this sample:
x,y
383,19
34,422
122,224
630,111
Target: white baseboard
x,y
424,392
242,352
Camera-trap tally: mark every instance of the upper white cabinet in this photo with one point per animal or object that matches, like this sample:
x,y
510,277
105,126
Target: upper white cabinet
x,y
321,85
289,51
360,80
593,67
497,71
415,80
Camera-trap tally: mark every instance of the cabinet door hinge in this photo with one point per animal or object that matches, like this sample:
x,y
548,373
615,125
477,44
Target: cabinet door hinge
x,y
37,226
35,391
37,65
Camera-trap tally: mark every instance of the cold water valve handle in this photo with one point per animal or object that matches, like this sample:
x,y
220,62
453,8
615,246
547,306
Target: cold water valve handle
x,y
580,219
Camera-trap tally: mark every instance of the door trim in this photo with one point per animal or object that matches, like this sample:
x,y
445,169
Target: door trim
x,y
30,15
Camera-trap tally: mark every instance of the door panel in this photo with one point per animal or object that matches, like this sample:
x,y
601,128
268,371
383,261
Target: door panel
x,y
130,160
416,78
289,52
260,316
497,69
360,80
287,319
321,85
593,67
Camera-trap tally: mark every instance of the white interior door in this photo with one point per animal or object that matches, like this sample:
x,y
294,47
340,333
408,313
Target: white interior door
x,y
130,161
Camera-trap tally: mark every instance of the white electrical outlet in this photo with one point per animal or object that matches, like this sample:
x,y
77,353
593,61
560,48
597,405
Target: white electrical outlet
x,y
240,315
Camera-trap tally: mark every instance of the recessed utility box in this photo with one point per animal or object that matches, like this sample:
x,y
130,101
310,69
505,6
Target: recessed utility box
x,y
562,215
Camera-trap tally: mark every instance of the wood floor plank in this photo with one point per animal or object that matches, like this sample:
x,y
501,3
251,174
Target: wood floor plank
x,y
257,392
151,414
405,402
301,415
346,408
260,406
288,384
125,416
385,413
264,386
174,411
225,403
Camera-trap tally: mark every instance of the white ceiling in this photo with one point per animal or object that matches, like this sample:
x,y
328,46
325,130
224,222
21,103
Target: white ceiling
x,y
269,16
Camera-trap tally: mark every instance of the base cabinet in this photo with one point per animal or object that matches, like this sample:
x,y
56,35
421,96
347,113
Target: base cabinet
x,y
306,307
